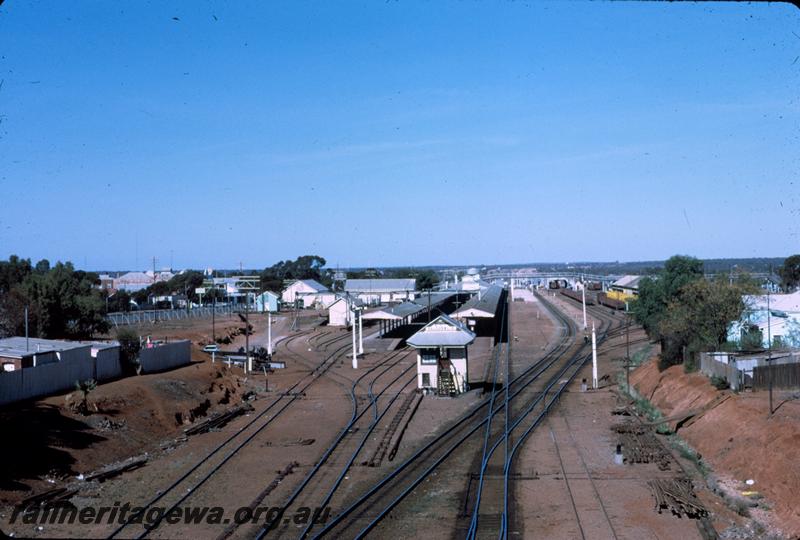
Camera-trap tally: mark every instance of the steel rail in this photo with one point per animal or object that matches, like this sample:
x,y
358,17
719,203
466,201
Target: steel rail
x,y
213,452
313,377
355,416
154,525
503,533
542,395
529,372
360,446
487,434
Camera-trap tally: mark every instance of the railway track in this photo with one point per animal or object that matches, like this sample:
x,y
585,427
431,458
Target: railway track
x,y
197,475
495,507
372,506
322,482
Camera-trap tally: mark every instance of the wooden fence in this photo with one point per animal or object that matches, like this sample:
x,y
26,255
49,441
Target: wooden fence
x,y
785,376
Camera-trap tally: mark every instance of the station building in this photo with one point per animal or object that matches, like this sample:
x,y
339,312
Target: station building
x,y
442,356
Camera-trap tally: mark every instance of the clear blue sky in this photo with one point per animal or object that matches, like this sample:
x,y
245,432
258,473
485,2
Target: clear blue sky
x,y
397,133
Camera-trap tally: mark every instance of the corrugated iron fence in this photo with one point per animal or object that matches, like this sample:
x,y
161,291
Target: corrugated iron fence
x,y
786,376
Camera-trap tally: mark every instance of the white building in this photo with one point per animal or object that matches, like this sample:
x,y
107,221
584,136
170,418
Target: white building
x,y
783,322
340,311
442,355
381,291
307,292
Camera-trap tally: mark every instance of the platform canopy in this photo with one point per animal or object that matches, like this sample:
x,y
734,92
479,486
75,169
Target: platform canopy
x,y
436,298
482,305
443,331
395,313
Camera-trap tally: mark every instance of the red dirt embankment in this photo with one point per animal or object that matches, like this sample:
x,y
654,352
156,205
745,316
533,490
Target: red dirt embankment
x,y
738,438
48,439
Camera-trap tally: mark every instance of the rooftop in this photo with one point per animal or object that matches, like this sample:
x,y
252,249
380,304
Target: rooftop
x,y
380,285
627,282
443,331
398,311
15,347
316,285
483,304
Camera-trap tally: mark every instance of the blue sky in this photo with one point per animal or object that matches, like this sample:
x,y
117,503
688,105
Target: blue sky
x,y
397,133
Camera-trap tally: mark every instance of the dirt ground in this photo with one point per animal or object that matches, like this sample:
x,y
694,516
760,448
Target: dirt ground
x,y
567,484
737,438
147,415
132,416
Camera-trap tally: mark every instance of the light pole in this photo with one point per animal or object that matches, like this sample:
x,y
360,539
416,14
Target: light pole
x,y
269,332
355,347
360,334
594,359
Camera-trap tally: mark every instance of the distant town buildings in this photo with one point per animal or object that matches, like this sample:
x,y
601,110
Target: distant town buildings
x,y
381,291
136,281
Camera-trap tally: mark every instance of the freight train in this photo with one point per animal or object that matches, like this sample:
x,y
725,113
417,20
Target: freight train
x,y
577,296
604,300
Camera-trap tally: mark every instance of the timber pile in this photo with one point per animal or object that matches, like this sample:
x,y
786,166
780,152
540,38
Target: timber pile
x,y
678,497
218,421
116,470
49,498
640,445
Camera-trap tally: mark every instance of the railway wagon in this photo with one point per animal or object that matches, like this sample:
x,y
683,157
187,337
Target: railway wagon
x,y
594,286
557,284
604,300
577,296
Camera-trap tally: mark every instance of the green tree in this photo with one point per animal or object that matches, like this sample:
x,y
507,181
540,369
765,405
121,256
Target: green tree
x,y
698,317
13,272
790,273
656,293
304,267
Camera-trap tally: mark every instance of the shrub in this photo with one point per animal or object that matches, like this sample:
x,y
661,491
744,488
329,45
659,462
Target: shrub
x,y
129,346
720,383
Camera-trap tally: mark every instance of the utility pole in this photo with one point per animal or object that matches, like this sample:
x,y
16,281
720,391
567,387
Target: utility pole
x,y
155,307
628,352
355,350
429,305
27,347
769,348
594,359
583,296
248,365
213,312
